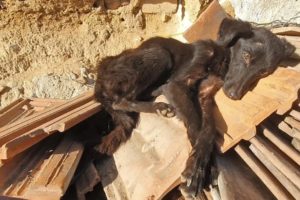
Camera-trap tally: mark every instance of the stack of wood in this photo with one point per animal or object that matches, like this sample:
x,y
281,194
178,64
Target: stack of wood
x,y
30,166
273,154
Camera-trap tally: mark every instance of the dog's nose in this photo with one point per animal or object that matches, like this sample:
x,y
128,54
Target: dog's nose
x,y
231,93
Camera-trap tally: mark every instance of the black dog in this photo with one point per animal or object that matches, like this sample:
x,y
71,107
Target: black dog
x,y
255,53
125,82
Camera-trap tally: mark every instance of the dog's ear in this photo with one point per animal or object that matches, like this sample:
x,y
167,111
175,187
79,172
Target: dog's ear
x,y
289,49
231,30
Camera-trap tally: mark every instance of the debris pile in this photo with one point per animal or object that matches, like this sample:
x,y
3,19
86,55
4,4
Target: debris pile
x,y
39,153
44,153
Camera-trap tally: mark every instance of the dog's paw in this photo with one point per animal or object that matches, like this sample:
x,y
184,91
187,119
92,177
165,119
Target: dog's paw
x,y
194,176
109,144
165,109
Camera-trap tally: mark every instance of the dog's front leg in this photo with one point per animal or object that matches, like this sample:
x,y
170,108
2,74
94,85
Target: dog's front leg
x,y
161,108
197,166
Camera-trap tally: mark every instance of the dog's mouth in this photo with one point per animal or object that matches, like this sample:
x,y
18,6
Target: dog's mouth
x,y
236,91
232,93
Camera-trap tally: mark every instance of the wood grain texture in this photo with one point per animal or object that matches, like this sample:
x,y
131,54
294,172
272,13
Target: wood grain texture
x,y
291,31
291,171
43,172
262,172
288,185
62,123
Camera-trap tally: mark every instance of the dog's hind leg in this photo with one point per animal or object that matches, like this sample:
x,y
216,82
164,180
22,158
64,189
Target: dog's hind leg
x,y
125,122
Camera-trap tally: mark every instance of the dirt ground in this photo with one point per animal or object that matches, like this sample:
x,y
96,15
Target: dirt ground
x,y
49,49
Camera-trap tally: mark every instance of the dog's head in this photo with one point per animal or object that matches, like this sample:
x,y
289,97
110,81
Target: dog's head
x,y
255,53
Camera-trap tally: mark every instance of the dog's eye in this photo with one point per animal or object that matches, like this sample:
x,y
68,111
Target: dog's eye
x,y
138,62
247,57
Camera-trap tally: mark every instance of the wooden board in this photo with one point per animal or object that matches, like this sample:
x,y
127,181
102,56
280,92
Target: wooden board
x,y
237,120
262,172
237,181
16,182
41,173
207,25
280,176
292,31
57,172
281,143
281,162
29,131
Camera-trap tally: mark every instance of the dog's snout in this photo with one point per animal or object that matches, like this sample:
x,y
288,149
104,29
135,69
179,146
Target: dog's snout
x,y
231,93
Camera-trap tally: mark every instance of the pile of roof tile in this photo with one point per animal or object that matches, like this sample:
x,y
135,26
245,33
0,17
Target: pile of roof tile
x,y
34,168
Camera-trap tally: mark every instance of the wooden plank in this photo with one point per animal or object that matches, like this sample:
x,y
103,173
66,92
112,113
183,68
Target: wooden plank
x,y
10,198
241,110
277,92
37,102
207,25
291,30
225,142
296,133
25,167
47,100
294,39
56,173
6,108
230,116
13,112
65,121
295,114
286,128
19,127
25,113
280,162
236,120
282,85
267,178
292,122
290,187
237,181
72,119
296,143
283,145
